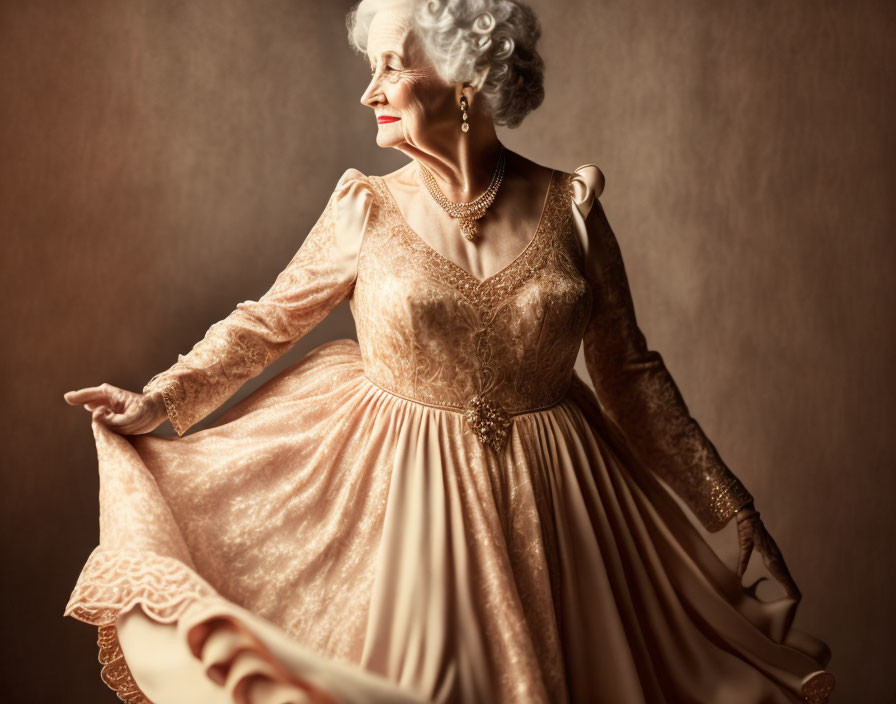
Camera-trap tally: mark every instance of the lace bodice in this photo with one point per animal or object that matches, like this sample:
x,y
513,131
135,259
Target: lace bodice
x,y
430,331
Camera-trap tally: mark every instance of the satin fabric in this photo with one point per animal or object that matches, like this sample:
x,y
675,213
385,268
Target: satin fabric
x,y
343,534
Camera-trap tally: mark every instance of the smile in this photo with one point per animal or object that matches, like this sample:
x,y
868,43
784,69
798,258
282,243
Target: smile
x,y
382,119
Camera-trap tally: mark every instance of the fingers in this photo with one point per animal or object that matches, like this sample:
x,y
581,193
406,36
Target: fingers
x,y
124,423
752,533
82,396
133,422
780,572
745,540
774,561
792,590
94,396
745,552
100,413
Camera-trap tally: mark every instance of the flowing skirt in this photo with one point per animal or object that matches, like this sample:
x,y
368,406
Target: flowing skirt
x,y
329,541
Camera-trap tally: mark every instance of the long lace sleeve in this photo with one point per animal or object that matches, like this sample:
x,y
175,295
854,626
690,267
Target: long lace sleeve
x,y
632,382
320,276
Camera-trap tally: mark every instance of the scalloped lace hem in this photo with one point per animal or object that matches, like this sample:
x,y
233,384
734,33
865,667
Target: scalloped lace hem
x,y
115,671
113,582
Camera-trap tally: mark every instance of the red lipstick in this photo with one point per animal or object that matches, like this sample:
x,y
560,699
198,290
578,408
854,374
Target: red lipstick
x,y
382,119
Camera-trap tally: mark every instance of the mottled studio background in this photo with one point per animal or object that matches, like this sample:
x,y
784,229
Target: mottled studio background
x,y
161,160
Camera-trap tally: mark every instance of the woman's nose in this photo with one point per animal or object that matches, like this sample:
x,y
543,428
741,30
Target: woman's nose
x,y
372,96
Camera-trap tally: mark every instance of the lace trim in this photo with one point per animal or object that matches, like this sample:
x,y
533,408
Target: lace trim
x,y
115,671
485,293
168,393
113,581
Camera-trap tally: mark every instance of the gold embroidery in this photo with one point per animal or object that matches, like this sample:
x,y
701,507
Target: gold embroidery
x,y
724,499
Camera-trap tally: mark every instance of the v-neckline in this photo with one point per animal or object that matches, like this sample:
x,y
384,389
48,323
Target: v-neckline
x,y
539,228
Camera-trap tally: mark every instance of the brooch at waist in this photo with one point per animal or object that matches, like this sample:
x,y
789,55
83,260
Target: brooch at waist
x,y
486,418
488,421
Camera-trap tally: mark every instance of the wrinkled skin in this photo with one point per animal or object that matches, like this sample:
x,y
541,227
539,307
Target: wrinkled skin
x,y
405,84
123,411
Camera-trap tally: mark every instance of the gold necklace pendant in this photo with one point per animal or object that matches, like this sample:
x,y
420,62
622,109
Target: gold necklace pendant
x,y
468,228
466,213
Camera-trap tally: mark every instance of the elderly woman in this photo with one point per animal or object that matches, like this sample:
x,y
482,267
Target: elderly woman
x,y
441,511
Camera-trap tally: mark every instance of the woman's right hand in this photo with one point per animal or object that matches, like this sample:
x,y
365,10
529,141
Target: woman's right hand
x,y
123,411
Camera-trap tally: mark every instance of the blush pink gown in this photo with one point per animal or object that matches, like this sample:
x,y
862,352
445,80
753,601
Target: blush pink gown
x,y
443,511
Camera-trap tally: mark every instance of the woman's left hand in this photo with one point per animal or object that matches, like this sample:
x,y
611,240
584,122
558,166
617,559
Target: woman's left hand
x,y
751,532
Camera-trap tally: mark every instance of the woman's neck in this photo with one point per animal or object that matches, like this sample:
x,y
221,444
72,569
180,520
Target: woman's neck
x,y
462,168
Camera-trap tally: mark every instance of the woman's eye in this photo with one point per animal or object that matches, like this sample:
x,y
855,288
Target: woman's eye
x,y
386,69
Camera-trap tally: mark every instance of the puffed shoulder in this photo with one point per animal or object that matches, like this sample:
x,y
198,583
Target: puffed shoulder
x,y
353,198
587,183
353,185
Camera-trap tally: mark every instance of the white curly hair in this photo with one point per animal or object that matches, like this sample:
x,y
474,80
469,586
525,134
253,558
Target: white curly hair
x,y
490,43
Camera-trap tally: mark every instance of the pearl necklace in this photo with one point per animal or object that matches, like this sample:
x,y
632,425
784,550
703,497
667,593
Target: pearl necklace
x,y
467,213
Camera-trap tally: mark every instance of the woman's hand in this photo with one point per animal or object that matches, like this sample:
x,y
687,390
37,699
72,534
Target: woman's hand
x,y
751,533
123,411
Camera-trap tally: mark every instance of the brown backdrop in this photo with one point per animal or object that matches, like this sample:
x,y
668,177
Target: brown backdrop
x,y
161,161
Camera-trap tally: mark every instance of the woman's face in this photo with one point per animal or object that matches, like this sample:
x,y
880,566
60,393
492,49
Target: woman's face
x,y
413,106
